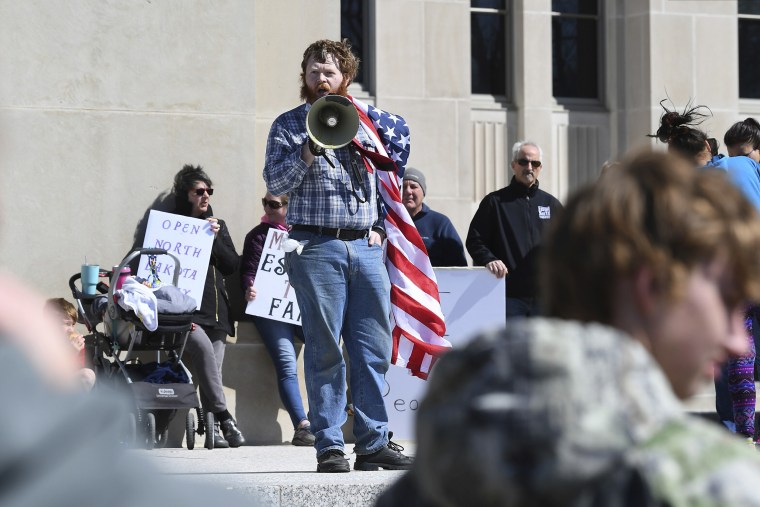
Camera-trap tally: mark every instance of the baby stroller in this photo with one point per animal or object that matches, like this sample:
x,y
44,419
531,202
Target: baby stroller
x,y
158,389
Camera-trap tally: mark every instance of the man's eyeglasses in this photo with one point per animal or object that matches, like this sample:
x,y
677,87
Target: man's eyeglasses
x,y
524,162
272,204
200,191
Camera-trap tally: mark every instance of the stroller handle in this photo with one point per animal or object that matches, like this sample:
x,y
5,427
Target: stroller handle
x,y
77,294
154,251
125,262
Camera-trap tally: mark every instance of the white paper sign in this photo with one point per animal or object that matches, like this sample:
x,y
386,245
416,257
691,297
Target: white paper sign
x,y
472,299
188,238
275,298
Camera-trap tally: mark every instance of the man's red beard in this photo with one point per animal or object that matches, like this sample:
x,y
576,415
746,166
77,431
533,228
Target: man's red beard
x,y
310,95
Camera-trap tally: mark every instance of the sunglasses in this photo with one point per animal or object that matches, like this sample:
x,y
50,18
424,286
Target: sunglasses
x,y
524,162
272,204
200,191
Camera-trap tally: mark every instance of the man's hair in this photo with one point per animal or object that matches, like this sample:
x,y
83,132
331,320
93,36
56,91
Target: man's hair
x,y
653,211
519,146
185,180
346,61
62,306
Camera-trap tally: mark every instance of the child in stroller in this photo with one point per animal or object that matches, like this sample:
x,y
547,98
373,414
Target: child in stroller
x,y
158,388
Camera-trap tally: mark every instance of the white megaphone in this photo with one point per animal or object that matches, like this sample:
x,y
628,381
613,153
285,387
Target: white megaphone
x,y
332,122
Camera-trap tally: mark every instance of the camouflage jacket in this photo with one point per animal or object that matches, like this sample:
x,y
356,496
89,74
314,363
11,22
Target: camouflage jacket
x,y
549,413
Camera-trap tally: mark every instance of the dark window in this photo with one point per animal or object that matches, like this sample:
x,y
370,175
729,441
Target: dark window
x,y
749,41
488,47
749,7
353,22
575,51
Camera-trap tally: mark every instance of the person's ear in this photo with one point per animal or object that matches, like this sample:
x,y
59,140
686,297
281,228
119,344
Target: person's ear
x,y
646,293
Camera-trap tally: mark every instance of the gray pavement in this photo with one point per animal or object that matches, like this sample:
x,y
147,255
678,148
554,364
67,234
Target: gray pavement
x,y
276,475
284,475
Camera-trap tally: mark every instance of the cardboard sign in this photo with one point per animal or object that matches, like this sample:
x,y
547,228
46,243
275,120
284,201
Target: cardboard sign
x,y
275,298
472,299
188,238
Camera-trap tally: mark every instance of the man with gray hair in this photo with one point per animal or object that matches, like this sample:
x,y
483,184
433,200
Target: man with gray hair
x,y
508,227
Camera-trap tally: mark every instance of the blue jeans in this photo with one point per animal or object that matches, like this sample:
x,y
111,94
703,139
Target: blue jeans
x,y
522,307
278,338
343,290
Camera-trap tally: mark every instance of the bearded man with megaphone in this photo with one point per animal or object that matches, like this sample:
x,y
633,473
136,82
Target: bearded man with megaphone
x,y
327,161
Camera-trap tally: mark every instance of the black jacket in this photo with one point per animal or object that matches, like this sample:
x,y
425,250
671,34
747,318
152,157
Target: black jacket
x,y
509,226
215,307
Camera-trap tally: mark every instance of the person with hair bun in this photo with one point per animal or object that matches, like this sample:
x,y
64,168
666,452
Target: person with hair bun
x,y
735,388
679,131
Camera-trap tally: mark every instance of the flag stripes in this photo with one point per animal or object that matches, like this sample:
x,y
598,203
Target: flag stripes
x,y
418,324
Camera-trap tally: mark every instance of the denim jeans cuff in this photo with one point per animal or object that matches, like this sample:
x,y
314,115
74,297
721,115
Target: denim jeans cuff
x,y
332,448
361,452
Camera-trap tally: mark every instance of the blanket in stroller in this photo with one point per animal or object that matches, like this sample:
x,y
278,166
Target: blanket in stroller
x,y
167,299
148,303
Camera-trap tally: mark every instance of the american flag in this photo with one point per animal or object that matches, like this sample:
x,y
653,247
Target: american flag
x,y
418,325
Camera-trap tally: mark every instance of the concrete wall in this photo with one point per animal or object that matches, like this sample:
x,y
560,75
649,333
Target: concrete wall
x,y
102,103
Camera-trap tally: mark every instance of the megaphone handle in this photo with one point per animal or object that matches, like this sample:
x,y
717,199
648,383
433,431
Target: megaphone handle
x,y
318,151
315,149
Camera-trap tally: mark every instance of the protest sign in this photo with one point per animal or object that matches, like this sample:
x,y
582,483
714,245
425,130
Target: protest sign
x,y
275,298
472,299
188,238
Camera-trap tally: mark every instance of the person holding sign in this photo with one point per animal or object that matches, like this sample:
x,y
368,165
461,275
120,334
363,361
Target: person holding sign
x,y
277,336
213,322
341,283
507,230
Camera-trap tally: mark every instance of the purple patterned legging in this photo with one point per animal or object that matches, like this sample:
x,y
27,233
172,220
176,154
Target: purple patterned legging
x,y
741,384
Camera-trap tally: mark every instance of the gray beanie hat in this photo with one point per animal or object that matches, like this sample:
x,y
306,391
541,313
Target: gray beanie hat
x,y
416,175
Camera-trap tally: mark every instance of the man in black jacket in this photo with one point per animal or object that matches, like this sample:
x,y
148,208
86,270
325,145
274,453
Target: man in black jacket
x,y
508,228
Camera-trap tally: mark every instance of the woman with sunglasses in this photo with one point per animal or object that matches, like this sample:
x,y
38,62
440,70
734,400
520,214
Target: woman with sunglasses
x,y
277,336
213,322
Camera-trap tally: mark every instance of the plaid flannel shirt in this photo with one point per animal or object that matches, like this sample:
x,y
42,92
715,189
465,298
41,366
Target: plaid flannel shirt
x,y
319,195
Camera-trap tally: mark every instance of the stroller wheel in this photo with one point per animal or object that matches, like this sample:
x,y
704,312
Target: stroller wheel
x,y
190,430
209,430
150,431
162,438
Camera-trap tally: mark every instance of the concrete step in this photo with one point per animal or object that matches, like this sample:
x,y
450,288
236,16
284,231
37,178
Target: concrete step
x,y
275,475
